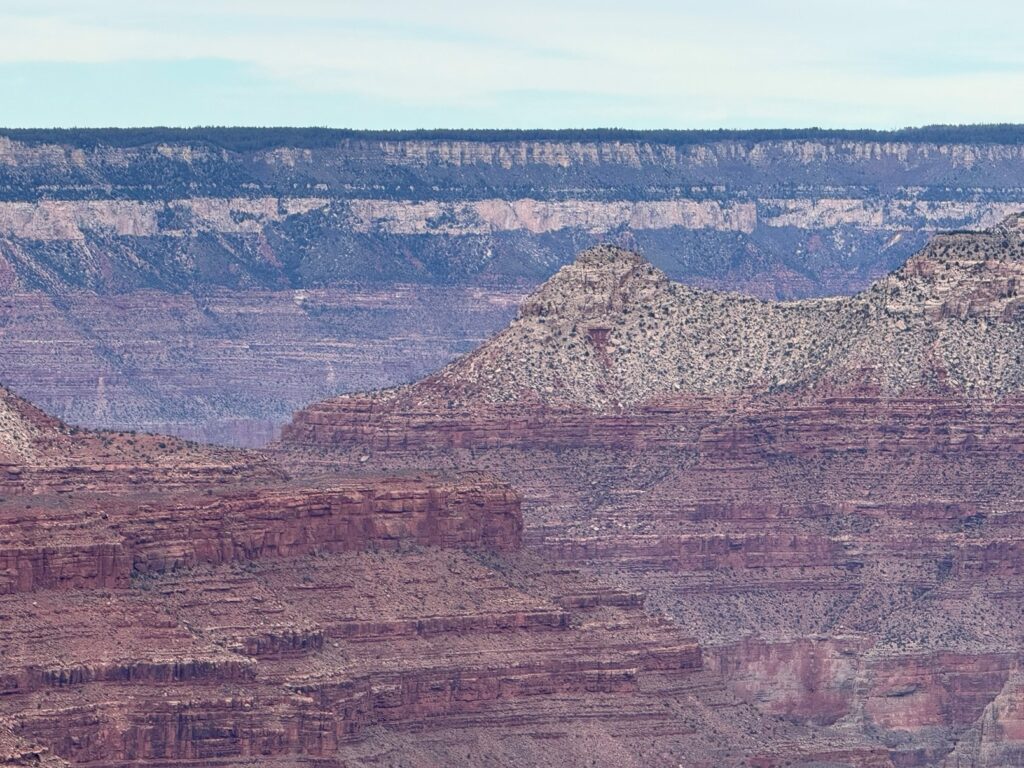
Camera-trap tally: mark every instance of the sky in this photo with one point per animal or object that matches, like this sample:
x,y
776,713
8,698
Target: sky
x,y
523,64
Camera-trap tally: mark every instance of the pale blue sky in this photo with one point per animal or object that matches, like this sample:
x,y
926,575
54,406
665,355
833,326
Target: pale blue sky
x,y
522,64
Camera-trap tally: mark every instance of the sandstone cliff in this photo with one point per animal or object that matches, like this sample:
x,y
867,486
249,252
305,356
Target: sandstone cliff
x,y
168,603
680,527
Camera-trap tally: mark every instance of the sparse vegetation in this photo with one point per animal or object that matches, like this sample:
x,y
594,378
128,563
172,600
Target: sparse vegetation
x,y
250,139
946,319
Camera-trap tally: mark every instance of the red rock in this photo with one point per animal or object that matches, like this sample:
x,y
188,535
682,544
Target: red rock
x,y
841,535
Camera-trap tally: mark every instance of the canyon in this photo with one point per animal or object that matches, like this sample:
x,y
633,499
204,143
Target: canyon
x,y
208,283
612,519
165,602
824,493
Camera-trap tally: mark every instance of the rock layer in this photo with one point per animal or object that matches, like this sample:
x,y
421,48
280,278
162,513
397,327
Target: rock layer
x,y
102,542
825,492
281,256
164,602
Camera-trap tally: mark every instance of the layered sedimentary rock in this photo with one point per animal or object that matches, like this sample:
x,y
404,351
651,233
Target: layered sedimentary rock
x,y
167,603
97,541
277,268
305,658
644,525
288,613
16,752
826,493
40,454
229,367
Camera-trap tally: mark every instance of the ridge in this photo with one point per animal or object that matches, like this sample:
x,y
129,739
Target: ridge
x,y
610,331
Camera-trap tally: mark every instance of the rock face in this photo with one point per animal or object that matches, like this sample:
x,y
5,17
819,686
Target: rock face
x,y
40,453
101,543
272,269
231,366
825,493
310,661
168,603
645,525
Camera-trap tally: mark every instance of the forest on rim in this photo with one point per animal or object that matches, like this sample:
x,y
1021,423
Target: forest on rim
x,y
247,139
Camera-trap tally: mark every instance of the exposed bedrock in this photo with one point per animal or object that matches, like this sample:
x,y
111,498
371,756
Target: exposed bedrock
x,y
313,656
208,288
825,493
105,542
699,529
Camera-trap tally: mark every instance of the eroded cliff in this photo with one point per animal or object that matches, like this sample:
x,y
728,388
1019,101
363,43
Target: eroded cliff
x,y
823,492
165,602
280,256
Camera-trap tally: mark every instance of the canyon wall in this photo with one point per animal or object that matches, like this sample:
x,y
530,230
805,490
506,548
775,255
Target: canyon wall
x,y
99,542
643,525
851,567
825,493
208,284
167,603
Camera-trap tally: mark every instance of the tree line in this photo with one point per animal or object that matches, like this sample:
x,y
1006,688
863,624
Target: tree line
x,y
238,139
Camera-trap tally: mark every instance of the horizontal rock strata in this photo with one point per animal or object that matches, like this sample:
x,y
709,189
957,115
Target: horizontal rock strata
x,y
115,248
825,493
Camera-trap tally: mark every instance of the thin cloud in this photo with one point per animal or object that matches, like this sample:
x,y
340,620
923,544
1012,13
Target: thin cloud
x,y
653,63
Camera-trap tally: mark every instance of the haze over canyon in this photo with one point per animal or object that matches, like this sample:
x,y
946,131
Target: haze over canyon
x,y
208,283
671,435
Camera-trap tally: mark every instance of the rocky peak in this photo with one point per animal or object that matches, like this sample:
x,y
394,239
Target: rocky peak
x,y
1012,225
961,274
609,331
600,283
17,430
